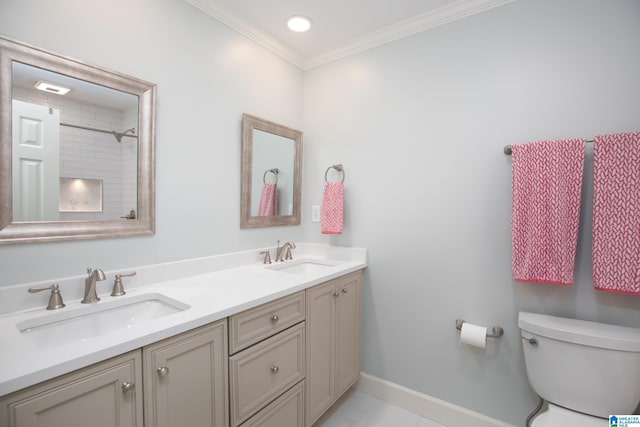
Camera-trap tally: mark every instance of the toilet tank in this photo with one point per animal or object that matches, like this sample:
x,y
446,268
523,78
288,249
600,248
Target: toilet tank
x,y
584,366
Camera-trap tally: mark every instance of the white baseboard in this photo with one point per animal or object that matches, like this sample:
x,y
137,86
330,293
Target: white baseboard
x,y
424,405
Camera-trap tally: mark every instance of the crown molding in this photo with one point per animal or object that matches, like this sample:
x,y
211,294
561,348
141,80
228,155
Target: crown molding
x,y
435,18
251,31
443,15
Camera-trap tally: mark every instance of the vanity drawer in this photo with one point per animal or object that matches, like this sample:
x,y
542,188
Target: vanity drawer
x,y
287,410
259,374
254,325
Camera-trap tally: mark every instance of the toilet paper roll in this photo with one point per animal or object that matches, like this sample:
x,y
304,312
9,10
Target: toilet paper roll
x,y
474,335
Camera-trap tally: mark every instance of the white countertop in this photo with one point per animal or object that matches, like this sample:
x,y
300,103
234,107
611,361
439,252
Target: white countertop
x,y
225,290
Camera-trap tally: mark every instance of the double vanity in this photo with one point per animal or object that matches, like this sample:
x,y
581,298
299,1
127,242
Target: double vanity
x,y
216,341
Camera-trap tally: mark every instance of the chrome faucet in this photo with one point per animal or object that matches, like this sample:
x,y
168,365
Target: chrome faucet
x,y
281,250
90,295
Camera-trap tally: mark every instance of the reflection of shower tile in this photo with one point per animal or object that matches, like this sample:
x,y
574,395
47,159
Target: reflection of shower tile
x,y
80,195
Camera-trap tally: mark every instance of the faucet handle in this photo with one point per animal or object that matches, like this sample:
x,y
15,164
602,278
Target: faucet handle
x,y
55,300
267,257
118,288
288,255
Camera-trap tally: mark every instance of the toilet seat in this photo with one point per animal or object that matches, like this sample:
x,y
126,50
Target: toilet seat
x,y
557,416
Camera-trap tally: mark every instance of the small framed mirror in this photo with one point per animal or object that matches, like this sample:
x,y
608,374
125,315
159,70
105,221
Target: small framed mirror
x,y
271,174
77,149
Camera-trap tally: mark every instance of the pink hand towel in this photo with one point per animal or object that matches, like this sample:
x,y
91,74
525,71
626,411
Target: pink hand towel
x,y
546,187
268,200
332,214
616,213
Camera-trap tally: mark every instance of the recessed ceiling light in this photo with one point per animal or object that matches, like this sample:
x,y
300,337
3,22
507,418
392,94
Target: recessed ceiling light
x,y
299,24
48,87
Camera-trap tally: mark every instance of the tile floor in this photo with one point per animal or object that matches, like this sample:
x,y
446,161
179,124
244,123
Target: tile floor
x,y
357,409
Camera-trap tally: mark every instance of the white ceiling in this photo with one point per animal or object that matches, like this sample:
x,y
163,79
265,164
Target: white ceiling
x,y
339,27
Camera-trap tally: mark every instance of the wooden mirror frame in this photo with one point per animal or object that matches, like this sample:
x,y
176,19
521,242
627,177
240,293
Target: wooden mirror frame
x,y
44,231
249,123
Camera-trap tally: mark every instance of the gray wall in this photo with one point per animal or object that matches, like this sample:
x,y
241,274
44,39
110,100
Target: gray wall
x,y
207,76
420,125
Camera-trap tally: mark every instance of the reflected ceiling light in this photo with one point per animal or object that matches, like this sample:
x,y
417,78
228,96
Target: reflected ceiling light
x,y
299,24
48,87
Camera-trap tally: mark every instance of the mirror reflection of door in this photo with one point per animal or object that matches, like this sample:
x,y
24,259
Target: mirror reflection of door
x,y
36,162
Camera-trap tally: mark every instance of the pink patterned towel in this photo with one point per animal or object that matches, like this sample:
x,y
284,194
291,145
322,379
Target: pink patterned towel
x,y
268,200
332,214
545,211
616,213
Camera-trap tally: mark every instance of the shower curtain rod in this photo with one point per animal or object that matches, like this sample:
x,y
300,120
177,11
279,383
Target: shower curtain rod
x,y
118,135
508,151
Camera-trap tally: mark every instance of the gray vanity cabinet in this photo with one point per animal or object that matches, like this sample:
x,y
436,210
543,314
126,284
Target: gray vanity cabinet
x,y
106,394
185,379
185,384
334,313
282,364
267,364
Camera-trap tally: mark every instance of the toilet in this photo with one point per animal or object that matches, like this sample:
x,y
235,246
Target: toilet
x,y
586,371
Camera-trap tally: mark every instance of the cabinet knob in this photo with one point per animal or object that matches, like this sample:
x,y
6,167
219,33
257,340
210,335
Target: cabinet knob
x,y
274,318
163,371
275,369
345,290
336,294
128,387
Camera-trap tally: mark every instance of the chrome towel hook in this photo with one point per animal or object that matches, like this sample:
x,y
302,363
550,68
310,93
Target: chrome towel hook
x,y
338,167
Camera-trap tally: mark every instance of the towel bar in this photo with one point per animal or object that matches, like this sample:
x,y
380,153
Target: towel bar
x,y
337,167
508,151
497,331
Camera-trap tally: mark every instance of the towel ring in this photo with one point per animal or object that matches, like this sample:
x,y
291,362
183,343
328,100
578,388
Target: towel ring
x,y
337,167
274,171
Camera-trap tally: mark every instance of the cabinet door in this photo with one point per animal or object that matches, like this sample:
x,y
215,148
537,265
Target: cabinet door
x,y
321,349
349,331
186,379
108,394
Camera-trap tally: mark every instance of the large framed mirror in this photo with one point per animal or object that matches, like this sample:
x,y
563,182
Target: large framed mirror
x,y
77,149
271,174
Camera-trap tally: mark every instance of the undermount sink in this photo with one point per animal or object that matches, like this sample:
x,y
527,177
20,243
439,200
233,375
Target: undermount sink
x,y
97,319
304,266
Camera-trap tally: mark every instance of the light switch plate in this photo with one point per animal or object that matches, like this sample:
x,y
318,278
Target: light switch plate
x,y
315,213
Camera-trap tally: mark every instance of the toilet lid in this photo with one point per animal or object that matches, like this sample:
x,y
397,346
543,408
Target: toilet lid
x,y
557,416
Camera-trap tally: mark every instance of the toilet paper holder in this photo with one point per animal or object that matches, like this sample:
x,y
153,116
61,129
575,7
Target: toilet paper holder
x,y
497,331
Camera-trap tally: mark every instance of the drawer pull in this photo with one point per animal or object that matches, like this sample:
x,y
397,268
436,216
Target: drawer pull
x,y
128,387
336,294
345,290
163,371
274,318
275,369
